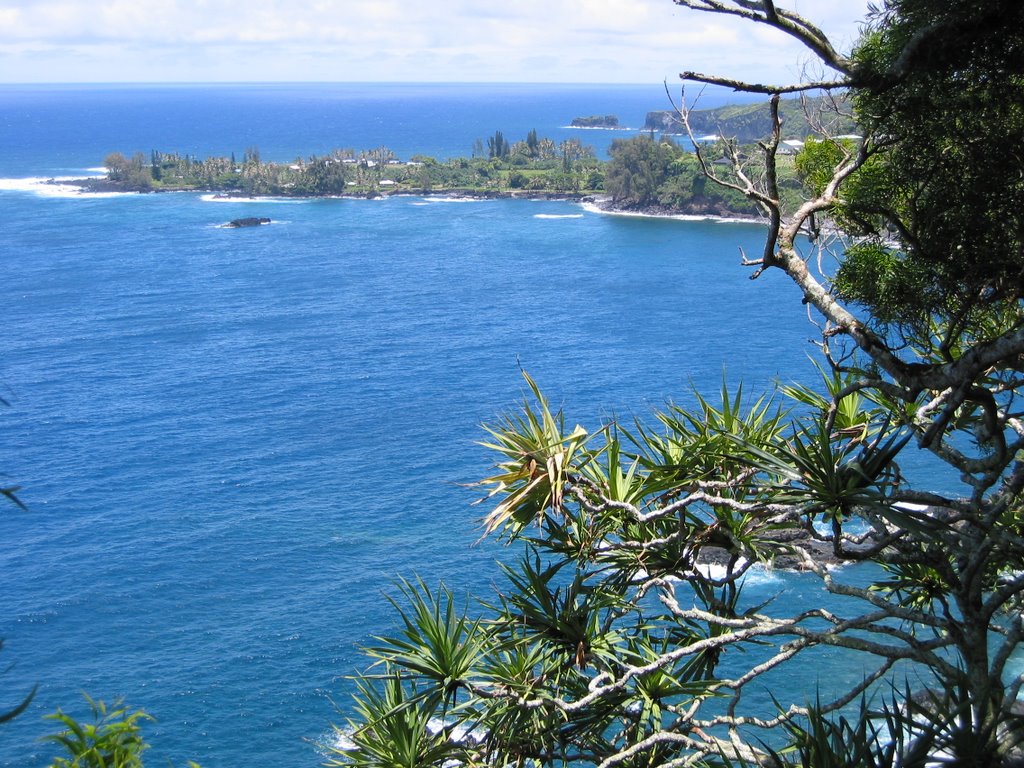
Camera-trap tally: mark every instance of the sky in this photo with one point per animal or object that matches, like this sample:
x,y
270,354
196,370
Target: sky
x,y
556,41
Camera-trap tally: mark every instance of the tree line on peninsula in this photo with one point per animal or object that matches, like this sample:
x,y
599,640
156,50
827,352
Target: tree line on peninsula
x,y
645,172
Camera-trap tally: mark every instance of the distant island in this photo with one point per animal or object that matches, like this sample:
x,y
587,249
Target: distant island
x,y
595,121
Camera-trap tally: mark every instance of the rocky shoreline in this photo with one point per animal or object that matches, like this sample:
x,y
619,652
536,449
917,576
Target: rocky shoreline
x,y
602,203
702,211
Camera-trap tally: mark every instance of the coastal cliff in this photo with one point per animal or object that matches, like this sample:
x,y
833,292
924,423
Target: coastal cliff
x,y
747,123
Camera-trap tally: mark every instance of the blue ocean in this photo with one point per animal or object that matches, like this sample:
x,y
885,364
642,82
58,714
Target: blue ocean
x,y
232,443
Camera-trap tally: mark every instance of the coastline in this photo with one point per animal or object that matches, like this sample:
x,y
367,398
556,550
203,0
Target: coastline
x,y
594,203
600,204
95,185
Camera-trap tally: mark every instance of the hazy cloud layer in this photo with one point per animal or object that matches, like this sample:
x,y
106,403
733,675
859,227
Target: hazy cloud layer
x,y
453,40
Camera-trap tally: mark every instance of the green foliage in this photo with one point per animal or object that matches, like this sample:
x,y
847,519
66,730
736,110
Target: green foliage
x,y
497,146
437,645
567,620
698,444
532,143
637,169
845,742
391,731
944,97
537,163
537,452
112,739
817,161
572,661
518,180
133,173
747,123
644,172
896,288
930,728
596,121
17,709
605,516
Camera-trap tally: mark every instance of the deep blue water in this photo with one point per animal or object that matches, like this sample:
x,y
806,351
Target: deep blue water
x,y
232,442
60,128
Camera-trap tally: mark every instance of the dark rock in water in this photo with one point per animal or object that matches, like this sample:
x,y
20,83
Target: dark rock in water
x,y
251,221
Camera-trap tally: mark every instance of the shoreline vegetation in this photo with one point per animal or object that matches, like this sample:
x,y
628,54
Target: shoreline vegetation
x,y
644,175
601,202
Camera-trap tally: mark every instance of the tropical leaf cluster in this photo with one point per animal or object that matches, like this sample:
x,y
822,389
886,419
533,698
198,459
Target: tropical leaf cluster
x,y
111,737
621,633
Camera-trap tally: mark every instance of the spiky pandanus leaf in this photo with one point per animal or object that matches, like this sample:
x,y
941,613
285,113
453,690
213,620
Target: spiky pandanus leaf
x,y
540,457
438,646
393,727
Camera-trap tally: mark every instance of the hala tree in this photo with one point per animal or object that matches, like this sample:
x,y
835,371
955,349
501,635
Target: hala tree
x,y
613,643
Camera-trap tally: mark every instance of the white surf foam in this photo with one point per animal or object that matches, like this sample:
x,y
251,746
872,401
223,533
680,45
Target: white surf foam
x,y
341,738
757,574
52,186
272,223
454,199
212,197
594,208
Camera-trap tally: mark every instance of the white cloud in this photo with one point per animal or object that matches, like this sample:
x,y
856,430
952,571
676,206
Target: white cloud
x,y
558,40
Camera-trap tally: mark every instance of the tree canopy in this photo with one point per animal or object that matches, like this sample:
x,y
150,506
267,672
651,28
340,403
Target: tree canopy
x,y
942,103
623,637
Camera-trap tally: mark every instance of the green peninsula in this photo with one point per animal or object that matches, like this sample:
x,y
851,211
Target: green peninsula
x,y
643,174
534,165
748,123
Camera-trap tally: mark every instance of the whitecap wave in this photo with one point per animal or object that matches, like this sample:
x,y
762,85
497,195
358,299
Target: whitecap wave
x,y
459,735
82,173
558,215
757,574
595,208
53,186
853,526
454,199
340,739
215,197
336,740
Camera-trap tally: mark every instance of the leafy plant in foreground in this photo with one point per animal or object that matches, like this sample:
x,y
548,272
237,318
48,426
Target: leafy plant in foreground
x,y
111,739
